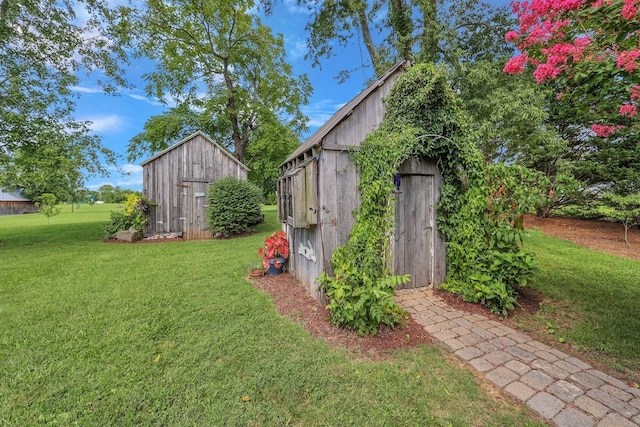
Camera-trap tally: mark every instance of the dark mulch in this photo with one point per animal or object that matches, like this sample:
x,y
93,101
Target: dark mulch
x,y
293,301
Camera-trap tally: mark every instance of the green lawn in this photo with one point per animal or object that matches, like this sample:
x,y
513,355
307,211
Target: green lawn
x,y
595,300
98,334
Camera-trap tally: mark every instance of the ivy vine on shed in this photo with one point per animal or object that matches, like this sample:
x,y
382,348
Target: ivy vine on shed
x,y
423,119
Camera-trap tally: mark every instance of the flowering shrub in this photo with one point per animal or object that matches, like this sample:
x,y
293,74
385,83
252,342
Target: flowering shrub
x,y
133,216
590,48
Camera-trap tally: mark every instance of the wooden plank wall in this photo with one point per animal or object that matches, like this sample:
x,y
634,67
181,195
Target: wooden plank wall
x,y
175,176
416,247
17,207
305,262
338,196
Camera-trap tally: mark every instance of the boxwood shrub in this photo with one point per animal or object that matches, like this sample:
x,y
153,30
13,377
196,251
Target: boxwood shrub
x,y
234,206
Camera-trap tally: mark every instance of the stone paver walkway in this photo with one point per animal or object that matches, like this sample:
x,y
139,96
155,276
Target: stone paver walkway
x,y
562,389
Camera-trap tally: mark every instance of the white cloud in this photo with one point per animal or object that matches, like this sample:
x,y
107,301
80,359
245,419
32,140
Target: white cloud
x,y
127,176
321,111
130,169
106,124
296,49
294,8
155,102
86,89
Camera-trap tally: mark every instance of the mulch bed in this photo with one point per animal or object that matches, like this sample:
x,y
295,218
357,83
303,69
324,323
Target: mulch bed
x,y
293,301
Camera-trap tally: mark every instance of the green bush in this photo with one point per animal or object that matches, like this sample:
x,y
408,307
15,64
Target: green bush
x,y
234,206
133,216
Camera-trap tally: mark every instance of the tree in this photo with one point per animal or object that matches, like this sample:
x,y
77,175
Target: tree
x,y
591,49
273,143
50,167
622,209
43,45
47,205
506,111
221,66
587,53
420,30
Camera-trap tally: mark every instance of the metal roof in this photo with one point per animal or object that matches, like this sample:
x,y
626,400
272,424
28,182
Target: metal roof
x,y
344,112
190,137
14,196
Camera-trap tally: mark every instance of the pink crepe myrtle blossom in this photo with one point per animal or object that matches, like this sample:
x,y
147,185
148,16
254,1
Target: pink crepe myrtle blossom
x,y
511,36
629,10
577,40
627,60
603,131
516,64
546,72
628,110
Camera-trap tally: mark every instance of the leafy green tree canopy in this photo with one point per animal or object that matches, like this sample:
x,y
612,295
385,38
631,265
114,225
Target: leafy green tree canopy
x,y
43,47
225,71
420,30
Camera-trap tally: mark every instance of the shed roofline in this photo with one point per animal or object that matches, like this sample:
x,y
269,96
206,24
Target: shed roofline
x,y
193,135
343,113
12,196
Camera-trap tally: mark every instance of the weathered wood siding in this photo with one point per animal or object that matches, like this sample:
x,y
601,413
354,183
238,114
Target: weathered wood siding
x,y
337,195
178,182
416,247
305,260
17,207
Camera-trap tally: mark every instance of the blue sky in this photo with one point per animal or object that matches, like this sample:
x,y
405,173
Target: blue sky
x,y
116,119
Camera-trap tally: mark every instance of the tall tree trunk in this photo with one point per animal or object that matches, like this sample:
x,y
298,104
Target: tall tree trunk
x,y
368,41
402,25
239,143
429,38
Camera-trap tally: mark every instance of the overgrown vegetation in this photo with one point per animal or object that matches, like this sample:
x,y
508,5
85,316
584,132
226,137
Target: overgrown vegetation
x,y
484,259
134,215
234,206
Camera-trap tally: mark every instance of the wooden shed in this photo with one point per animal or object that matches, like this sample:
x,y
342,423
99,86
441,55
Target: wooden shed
x,y
13,204
318,195
177,182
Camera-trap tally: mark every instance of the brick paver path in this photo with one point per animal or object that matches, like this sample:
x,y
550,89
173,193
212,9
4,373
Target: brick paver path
x,y
562,389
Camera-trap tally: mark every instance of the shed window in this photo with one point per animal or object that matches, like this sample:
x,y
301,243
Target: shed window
x,y
298,196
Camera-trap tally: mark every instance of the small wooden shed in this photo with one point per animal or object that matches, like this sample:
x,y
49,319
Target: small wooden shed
x,y
177,180
318,195
12,203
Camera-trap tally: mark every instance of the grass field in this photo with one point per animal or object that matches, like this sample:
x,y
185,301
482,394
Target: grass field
x,y
98,334
595,299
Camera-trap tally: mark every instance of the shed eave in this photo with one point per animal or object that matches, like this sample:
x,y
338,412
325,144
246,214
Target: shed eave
x,y
190,137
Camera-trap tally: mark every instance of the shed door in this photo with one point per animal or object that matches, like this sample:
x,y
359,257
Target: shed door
x,y
193,204
417,249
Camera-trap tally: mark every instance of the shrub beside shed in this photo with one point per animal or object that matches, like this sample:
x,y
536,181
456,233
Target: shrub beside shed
x,y
317,196
177,180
